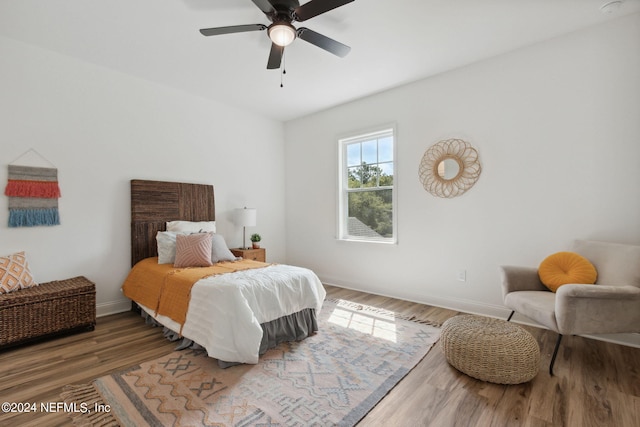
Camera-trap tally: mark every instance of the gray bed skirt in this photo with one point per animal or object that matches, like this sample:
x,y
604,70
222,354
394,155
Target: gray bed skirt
x,y
294,327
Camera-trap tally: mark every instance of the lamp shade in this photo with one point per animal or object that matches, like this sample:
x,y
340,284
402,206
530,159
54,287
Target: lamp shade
x,y
245,217
282,34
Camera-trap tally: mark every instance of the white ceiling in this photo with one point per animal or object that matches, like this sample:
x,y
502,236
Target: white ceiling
x,y
393,43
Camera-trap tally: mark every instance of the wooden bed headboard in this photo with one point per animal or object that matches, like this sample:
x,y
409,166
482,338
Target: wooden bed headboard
x,y
153,203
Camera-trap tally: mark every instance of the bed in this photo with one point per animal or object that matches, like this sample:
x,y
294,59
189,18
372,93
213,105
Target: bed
x,y
235,309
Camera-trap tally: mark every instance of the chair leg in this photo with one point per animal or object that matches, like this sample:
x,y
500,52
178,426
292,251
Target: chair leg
x,y
555,353
511,315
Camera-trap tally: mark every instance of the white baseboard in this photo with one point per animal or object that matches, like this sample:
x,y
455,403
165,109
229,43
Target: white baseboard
x,y
112,307
456,304
483,309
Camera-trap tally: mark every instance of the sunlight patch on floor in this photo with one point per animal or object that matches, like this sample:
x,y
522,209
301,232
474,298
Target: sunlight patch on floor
x,y
365,319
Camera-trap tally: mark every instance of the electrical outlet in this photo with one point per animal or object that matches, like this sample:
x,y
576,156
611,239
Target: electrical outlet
x,y
462,275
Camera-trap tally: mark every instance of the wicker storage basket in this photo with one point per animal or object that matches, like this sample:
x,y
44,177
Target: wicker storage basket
x,y
50,308
489,349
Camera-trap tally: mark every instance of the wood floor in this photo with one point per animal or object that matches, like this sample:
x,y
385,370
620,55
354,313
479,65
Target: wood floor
x,y
595,383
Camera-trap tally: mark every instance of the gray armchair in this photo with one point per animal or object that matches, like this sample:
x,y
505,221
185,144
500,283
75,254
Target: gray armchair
x,y
610,306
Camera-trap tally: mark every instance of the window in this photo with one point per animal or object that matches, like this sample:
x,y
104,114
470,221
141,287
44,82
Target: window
x,y
367,205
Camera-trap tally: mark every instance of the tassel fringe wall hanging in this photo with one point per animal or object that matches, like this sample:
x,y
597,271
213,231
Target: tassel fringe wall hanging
x,y
33,196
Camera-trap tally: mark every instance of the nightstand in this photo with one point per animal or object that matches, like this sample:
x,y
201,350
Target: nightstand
x,y
254,254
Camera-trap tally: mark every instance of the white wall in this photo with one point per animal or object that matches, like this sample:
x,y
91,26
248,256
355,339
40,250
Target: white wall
x,y
558,133
556,126
100,129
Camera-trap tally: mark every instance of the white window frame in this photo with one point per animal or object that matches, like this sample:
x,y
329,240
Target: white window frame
x,y
343,182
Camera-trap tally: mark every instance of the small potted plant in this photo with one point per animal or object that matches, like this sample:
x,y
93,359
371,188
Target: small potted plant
x,y
255,240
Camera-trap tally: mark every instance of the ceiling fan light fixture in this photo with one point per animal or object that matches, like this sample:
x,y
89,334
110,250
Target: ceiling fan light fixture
x,y
282,33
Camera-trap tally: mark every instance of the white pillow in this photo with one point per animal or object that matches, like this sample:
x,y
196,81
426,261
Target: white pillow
x,y
191,226
166,246
220,251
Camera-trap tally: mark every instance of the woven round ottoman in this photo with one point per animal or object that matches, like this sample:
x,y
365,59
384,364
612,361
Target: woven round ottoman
x,y
489,349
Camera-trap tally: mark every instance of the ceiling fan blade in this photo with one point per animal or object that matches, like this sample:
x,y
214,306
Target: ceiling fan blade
x,y
275,57
317,7
323,42
264,6
233,29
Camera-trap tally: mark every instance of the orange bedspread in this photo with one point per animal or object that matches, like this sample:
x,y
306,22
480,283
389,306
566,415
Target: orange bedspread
x,y
167,290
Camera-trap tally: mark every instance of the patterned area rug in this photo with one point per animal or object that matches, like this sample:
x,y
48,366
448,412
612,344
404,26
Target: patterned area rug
x,y
332,378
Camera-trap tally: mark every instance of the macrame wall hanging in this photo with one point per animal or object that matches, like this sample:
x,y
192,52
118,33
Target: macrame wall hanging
x,y
33,193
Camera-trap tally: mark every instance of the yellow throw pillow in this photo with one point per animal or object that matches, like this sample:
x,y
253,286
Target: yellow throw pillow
x,y
566,267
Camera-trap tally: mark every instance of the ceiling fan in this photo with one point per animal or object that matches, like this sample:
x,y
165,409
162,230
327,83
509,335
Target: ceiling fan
x,y
282,13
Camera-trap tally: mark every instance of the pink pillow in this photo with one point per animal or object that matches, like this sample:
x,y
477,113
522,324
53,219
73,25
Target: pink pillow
x,y
193,250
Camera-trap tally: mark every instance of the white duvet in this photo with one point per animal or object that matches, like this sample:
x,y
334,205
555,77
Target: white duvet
x,y
225,311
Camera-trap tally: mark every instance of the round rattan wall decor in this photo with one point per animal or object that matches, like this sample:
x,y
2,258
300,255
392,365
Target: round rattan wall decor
x,y
449,168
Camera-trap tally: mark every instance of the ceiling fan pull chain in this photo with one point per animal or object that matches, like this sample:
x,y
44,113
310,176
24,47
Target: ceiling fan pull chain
x,y
284,71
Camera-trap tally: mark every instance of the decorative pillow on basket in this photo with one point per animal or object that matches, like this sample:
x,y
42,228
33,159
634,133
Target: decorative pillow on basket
x,y
193,250
14,273
562,268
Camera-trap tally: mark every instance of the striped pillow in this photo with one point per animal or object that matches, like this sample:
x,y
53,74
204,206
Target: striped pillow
x,y
14,273
193,250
